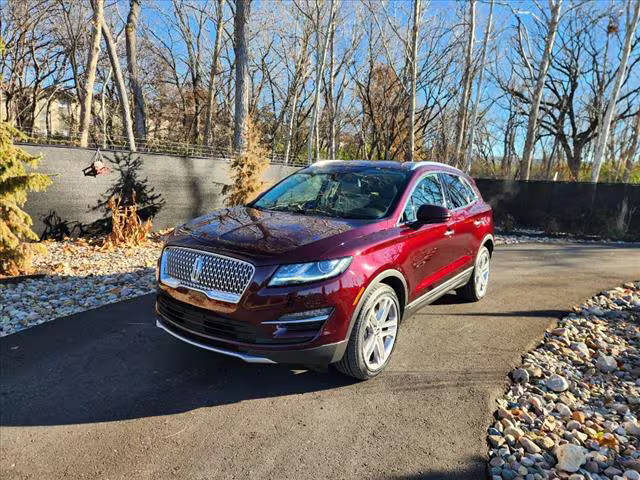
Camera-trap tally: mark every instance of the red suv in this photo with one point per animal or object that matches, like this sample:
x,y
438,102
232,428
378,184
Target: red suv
x,y
322,268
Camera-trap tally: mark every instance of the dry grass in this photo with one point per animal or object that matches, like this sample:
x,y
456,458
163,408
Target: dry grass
x,y
127,229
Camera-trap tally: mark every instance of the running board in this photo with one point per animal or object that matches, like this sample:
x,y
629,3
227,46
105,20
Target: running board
x,y
455,282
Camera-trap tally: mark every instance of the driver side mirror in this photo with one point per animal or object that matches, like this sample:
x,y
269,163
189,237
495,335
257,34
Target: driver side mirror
x,y
433,214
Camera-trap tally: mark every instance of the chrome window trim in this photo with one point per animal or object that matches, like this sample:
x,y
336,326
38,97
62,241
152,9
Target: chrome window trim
x,y
420,178
467,205
212,294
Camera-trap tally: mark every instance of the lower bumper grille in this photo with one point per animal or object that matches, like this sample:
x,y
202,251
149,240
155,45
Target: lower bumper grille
x,y
205,322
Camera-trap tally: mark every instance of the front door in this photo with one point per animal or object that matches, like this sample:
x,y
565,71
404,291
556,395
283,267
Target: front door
x,y
428,245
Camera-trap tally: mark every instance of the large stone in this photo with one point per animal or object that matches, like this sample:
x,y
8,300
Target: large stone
x,y
606,364
563,410
570,457
529,446
557,383
520,375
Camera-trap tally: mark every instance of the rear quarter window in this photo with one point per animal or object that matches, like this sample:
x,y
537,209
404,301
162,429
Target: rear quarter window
x,y
459,192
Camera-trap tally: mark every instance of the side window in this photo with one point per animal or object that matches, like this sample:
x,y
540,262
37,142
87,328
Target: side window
x,y
459,192
427,192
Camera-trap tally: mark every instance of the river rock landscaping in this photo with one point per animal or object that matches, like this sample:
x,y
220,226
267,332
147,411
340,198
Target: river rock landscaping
x,y
572,409
77,275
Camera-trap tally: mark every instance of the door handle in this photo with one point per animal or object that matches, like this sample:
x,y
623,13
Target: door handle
x,y
448,233
477,223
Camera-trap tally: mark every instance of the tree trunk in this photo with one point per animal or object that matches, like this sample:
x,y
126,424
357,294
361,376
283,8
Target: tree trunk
x,y
313,130
414,78
104,109
92,63
601,140
532,125
633,148
122,89
242,76
466,84
139,107
474,110
332,104
213,72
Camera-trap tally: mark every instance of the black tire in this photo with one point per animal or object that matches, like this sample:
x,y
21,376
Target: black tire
x,y
353,362
472,292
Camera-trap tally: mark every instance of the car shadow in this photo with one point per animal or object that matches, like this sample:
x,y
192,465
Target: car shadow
x,y
475,469
112,363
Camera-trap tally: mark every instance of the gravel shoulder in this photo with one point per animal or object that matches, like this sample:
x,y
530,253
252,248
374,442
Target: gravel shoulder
x,y
77,276
572,408
105,394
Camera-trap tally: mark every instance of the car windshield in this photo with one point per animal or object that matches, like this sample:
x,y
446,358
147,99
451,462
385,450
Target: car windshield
x,y
367,193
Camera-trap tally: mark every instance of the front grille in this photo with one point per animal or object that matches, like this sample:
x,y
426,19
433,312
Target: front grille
x,y
204,322
219,277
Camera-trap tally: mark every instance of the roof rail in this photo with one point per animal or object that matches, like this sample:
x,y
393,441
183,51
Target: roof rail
x,y
432,164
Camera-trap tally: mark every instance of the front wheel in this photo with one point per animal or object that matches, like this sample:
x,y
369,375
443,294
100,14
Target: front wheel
x,y
476,287
373,335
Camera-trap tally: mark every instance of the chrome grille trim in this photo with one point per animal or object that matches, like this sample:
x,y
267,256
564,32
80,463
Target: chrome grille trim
x,y
221,278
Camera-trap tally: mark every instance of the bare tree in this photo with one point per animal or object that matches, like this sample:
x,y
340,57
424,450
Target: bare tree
x,y
466,84
242,76
122,89
474,110
213,72
414,78
321,52
532,125
632,150
132,65
601,141
92,63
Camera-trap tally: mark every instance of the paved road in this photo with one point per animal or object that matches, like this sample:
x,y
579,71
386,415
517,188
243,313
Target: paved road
x,y
104,394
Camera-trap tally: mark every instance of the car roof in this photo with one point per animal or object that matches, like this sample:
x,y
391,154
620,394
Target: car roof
x,y
405,166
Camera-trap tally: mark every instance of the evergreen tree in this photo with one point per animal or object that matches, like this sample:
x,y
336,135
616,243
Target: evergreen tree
x,y
15,181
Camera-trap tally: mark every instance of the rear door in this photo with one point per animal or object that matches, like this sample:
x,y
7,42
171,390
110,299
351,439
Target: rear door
x,y
463,203
427,245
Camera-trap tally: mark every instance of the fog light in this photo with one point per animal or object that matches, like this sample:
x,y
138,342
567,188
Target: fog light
x,y
308,316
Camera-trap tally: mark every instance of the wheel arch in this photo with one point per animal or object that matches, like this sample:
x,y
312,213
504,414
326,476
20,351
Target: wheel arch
x,y
391,277
489,242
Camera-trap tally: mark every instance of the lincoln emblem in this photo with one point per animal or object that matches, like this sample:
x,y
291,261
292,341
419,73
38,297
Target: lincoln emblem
x,y
196,270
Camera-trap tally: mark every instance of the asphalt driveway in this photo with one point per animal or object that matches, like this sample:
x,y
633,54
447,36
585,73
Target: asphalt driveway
x,y
105,394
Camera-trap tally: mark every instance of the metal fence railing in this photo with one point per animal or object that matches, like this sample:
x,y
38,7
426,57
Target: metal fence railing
x,y
149,145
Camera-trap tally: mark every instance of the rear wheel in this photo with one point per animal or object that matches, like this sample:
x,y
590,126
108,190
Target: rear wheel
x,y
373,335
476,287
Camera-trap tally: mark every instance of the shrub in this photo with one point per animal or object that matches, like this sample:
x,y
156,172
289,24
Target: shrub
x,y
126,227
16,250
246,170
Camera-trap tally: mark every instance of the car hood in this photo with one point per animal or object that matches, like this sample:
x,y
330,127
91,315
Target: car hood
x,y
260,234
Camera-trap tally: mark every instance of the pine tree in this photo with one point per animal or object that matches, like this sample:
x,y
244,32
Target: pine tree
x,y
16,250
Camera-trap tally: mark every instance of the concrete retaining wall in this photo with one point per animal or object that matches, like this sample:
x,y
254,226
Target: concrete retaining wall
x,y
189,187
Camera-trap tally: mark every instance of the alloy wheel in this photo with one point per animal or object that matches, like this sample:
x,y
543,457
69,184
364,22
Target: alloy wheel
x,y
380,332
481,273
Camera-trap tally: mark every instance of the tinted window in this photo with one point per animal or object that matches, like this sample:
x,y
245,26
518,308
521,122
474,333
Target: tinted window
x,y
427,192
366,193
458,192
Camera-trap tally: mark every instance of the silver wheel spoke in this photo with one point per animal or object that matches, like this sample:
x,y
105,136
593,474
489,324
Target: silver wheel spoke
x,y
380,333
369,343
379,349
383,310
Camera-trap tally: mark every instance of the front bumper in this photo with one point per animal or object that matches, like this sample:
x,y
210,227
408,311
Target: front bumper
x,y
315,356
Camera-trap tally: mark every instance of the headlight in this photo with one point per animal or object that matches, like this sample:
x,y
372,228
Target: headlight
x,y
308,272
